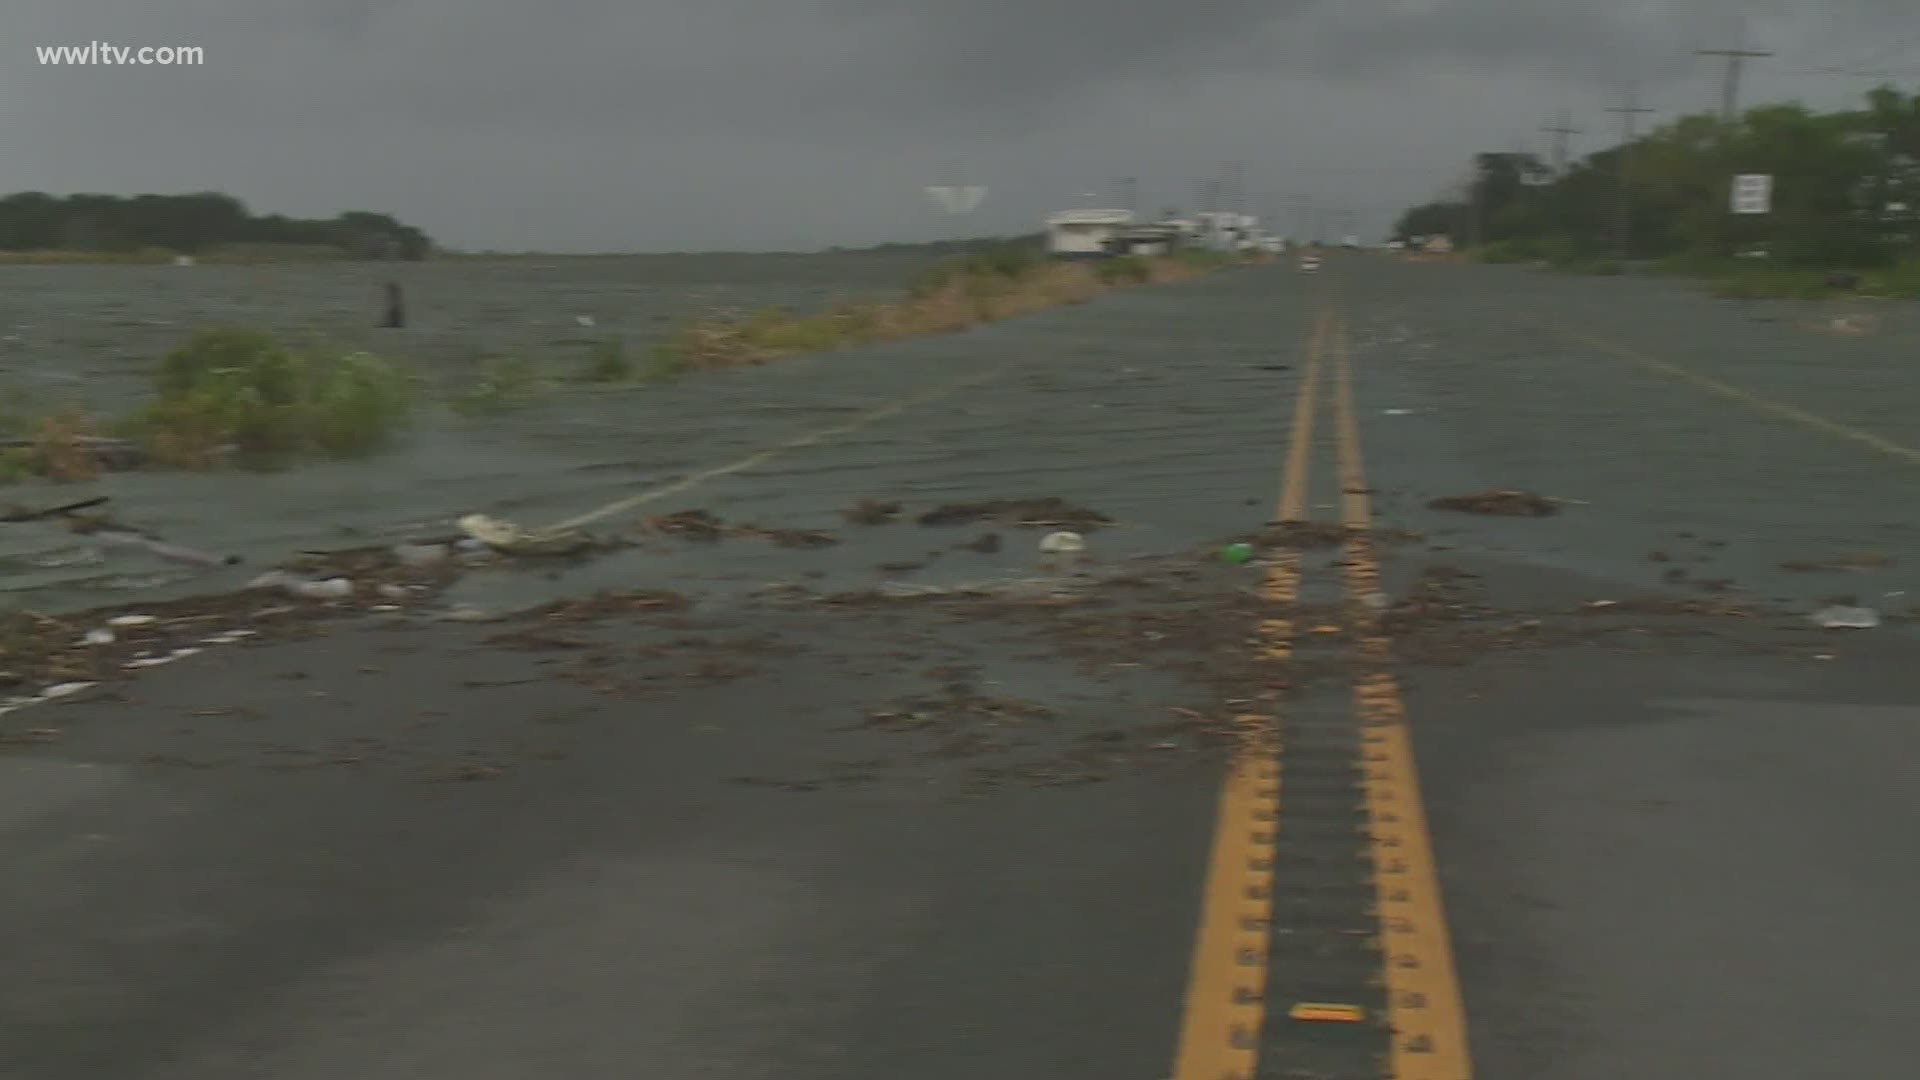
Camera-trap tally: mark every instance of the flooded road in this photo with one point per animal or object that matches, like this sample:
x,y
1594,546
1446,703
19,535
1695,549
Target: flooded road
x,y
1556,797
92,335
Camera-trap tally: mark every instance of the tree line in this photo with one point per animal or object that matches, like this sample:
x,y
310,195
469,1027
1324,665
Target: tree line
x,y
36,221
1846,188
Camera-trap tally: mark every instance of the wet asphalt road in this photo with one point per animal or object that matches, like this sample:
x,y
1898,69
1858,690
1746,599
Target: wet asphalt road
x,y
403,852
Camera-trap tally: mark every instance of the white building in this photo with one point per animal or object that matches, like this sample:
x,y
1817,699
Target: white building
x,y
1223,231
1159,238
1085,233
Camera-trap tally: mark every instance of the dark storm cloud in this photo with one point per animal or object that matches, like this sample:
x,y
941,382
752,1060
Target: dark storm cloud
x,y
590,123
1032,52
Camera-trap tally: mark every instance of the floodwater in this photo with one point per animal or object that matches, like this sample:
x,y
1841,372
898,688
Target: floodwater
x,y
91,335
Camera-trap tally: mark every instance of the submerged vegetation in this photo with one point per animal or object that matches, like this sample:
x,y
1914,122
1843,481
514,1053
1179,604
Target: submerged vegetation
x,y
242,396
992,285
242,389
504,384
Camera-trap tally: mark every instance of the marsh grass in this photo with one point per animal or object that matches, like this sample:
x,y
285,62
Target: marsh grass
x,y
982,288
243,389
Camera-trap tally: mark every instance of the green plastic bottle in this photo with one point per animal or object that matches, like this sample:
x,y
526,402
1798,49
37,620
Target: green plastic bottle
x,y
1236,553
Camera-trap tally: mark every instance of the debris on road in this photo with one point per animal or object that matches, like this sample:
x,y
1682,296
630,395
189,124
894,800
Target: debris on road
x,y
790,538
1503,502
334,588
418,555
1841,617
511,539
104,531
688,525
170,552
1868,560
985,543
1052,512
16,513
1062,543
1236,554
705,527
605,604
872,512
1297,535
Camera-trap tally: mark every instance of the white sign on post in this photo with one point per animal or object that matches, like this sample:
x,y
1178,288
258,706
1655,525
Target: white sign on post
x,y
1752,193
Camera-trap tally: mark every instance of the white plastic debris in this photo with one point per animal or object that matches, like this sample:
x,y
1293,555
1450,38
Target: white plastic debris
x,y
330,589
490,531
337,588
65,689
583,320
99,637
1062,543
469,614
1396,412
1841,617
492,534
132,620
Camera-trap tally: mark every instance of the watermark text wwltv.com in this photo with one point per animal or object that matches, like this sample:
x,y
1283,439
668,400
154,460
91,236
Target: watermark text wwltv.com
x,y
99,53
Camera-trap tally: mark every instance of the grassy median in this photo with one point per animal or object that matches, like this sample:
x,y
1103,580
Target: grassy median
x,y
983,288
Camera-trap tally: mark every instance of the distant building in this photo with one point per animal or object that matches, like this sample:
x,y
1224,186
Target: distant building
x,y
1158,238
1086,234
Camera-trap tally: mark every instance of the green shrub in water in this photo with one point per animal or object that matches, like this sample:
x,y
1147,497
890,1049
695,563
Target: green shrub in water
x,y
243,387
608,363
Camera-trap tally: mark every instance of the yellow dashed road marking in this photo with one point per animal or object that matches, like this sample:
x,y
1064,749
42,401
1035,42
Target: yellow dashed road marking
x,y
1424,1005
1226,988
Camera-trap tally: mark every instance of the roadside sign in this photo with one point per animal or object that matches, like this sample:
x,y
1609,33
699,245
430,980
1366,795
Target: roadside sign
x,y
1752,193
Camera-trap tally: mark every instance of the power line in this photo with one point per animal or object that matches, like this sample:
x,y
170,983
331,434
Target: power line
x,y
1736,58
1560,130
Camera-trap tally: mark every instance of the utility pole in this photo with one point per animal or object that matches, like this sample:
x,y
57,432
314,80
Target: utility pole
x,y
1736,59
1560,129
1622,222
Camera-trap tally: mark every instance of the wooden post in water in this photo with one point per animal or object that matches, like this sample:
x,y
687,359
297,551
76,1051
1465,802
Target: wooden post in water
x,y
396,307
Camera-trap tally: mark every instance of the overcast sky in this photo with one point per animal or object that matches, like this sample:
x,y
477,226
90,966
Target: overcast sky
x,y
579,125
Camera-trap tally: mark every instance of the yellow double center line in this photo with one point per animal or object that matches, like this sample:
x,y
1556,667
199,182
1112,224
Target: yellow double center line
x,y
1226,1004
